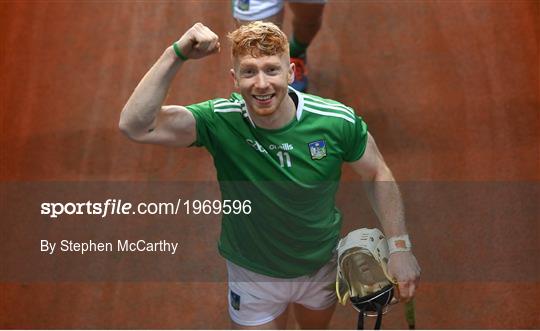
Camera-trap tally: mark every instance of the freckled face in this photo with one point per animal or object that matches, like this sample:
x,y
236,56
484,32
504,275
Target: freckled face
x,y
263,81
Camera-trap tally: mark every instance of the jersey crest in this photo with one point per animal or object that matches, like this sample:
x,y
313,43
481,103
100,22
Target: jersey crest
x,y
317,149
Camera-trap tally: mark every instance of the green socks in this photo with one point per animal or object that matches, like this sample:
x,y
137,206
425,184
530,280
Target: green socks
x,y
297,48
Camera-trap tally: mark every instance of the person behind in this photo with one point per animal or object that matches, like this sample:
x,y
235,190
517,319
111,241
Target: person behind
x,y
282,150
307,21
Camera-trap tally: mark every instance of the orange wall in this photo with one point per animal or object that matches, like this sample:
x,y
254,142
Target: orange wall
x,y
449,89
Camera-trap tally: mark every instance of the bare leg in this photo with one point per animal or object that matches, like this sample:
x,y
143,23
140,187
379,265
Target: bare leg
x,y
313,319
279,323
307,20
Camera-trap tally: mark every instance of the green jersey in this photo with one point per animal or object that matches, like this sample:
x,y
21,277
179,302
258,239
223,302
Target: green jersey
x,y
290,175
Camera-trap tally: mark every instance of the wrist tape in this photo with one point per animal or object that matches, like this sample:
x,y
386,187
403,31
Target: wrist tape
x,y
179,53
399,244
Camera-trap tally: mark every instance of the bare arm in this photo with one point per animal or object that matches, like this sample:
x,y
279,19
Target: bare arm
x,y
144,118
382,190
385,199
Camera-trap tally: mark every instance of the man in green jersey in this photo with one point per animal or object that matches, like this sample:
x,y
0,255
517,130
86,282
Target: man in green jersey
x,y
282,150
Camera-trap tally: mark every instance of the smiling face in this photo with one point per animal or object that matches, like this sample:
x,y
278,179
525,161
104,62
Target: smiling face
x,y
263,81
262,68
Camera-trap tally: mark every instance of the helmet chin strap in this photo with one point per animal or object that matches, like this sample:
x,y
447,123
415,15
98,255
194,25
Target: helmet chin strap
x,y
375,302
378,322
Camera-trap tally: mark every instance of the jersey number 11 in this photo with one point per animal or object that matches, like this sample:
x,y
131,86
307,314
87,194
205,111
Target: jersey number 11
x,y
284,159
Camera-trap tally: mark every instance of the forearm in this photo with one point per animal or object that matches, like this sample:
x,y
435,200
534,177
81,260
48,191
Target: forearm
x,y
383,193
385,198
142,107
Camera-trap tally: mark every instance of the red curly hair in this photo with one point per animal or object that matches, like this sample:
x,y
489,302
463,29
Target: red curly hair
x,y
258,39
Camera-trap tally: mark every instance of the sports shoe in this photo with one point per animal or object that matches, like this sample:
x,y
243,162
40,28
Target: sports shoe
x,y
300,73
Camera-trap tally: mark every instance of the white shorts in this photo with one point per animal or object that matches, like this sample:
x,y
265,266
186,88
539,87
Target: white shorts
x,y
256,299
252,10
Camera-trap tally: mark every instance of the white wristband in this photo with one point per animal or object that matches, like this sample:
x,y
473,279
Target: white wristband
x,y
399,244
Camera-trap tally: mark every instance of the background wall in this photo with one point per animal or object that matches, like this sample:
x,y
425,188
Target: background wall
x,y
449,89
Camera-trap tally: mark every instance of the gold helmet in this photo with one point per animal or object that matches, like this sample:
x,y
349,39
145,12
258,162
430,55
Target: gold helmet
x,y
362,274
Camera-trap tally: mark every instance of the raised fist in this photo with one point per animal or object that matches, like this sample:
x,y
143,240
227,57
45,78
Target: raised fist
x,y
199,41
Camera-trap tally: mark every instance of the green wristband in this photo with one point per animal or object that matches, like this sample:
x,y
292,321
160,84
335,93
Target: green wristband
x,y
178,53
